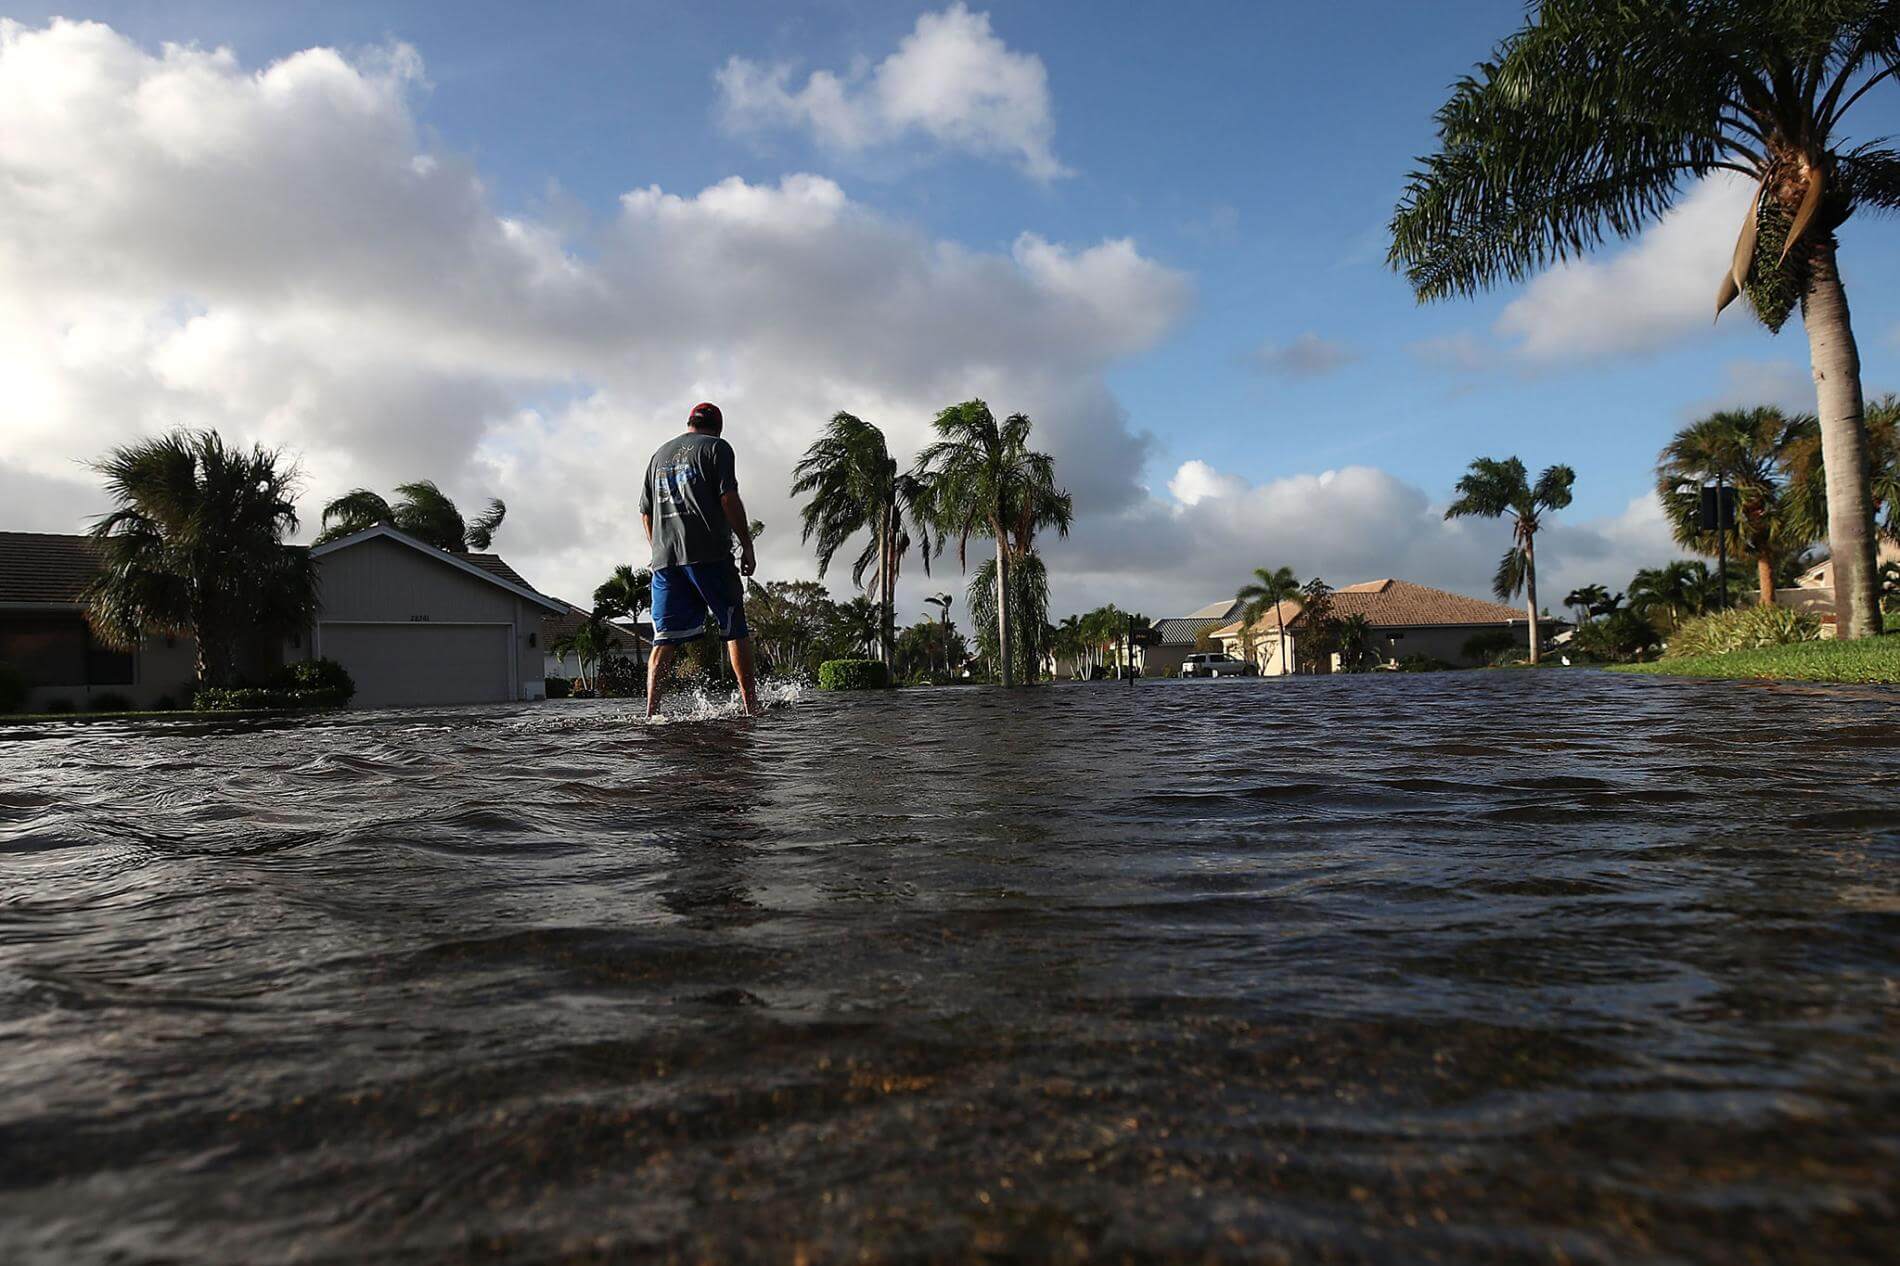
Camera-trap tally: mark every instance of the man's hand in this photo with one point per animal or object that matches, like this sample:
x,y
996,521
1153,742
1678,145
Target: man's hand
x,y
748,561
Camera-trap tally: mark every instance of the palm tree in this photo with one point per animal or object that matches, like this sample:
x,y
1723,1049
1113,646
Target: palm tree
x,y
1264,593
1748,448
1355,643
1583,600
423,511
1494,489
1028,609
196,547
854,485
1671,593
860,623
623,596
1067,641
984,480
1584,123
1807,477
942,602
589,644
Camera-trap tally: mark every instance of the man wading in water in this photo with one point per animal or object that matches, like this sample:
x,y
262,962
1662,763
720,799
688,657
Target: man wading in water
x,y
691,509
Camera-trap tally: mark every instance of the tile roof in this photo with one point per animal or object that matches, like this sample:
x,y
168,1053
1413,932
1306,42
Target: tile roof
x,y
494,565
1392,603
1183,630
44,567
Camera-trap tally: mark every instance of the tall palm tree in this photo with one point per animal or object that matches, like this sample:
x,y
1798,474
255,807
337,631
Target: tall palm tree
x,y
196,547
1583,600
422,510
1264,593
623,596
1028,609
982,479
942,602
1749,449
1583,125
854,485
1494,489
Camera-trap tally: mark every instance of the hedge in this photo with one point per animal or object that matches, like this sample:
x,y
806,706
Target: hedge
x,y
311,683
853,674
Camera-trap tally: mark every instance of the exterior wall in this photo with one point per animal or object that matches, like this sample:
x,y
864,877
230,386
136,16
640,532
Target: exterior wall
x,y
67,668
381,582
1164,660
1266,651
1440,642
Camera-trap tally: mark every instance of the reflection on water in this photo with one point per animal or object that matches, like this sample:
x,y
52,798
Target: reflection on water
x,y
1493,967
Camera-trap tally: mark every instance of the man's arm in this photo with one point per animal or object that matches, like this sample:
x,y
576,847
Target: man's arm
x,y
646,521
735,516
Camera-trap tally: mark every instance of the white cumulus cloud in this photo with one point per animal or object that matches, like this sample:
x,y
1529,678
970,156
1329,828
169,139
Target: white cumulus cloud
x,y
952,80
280,254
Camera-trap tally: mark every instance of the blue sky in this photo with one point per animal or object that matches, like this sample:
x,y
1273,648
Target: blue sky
x,y
1254,149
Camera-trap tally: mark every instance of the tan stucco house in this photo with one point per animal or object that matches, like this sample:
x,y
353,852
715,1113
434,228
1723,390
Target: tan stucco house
x,y
411,623
1406,619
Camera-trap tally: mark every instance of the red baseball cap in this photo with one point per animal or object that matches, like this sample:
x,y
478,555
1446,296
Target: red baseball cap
x,y
706,417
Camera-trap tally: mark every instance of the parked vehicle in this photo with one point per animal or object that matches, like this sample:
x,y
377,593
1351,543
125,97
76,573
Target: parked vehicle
x,y
1216,665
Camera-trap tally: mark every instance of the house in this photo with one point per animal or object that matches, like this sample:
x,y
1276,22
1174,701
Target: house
x,y
1406,619
1813,589
412,624
1180,636
627,638
44,634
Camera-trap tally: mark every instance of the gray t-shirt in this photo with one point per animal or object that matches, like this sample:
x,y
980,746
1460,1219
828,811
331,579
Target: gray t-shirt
x,y
685,480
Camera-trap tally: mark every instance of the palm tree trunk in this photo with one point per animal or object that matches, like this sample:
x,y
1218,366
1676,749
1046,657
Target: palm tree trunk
x,y
1005,667
1765,579
1850,512
1280,619
1530,593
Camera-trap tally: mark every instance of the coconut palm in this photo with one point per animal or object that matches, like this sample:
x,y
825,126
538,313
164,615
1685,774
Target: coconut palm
x,y
1584,124
1264,593
1749,449
853,485
1029,609
422,510
196,548
984,480
1583,600
1494,489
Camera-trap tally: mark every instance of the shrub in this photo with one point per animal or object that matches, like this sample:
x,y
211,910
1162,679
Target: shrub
x,y
620,677
558,687
853,674
326,681
1743,629
110,701
1621,637
1421,664
261,698
12,688
1486,647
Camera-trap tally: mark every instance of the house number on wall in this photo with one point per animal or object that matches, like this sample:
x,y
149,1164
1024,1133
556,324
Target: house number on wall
x,y
418,619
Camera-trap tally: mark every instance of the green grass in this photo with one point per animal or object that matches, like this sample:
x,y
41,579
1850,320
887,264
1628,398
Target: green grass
x,y
1873,660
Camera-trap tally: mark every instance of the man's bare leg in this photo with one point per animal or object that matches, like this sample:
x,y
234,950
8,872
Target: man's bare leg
x,y
740,653
659,663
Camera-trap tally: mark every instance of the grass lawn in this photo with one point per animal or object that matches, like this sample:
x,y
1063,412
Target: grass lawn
x,y
1873,660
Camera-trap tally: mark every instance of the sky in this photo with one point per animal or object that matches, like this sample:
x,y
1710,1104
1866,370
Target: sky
x,y
508,247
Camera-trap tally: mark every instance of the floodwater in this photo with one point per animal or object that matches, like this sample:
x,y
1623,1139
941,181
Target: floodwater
x,y
1488,967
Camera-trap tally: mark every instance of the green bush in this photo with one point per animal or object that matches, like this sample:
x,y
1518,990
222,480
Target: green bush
x,y
12,688
558,687
1487,646
1621,637
324,678
1421,664
262,698
110,701
853,674
1743,629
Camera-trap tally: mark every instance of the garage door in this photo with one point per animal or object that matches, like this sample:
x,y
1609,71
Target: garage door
x,y
395,664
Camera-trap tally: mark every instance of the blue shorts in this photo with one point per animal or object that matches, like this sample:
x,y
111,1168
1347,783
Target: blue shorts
x,y
685,596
